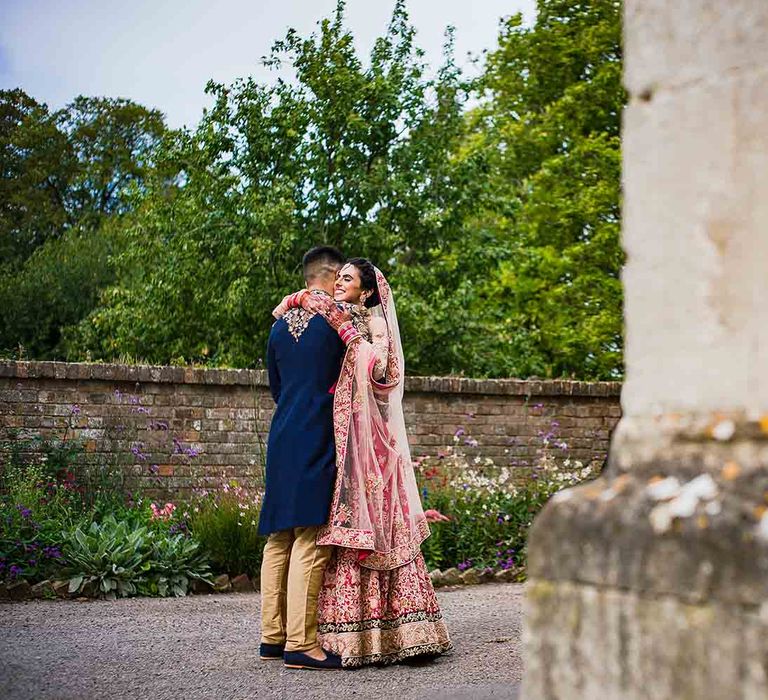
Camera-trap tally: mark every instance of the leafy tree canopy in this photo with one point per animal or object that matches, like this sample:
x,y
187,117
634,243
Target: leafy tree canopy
x,y
492,205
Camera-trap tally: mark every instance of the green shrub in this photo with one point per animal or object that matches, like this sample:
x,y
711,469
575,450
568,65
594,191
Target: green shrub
x,y
117,558
225,522
108,558
34,512
172,563
490,508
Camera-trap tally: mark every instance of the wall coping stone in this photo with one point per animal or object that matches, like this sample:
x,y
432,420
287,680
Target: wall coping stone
x,y
12,369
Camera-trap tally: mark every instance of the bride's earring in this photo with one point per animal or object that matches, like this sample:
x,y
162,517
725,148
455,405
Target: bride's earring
x,y
363,298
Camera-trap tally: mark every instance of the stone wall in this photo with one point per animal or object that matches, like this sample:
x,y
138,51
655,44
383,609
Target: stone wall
x,y
169,426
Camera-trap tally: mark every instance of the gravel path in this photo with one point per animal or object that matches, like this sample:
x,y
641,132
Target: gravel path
x,y
206,647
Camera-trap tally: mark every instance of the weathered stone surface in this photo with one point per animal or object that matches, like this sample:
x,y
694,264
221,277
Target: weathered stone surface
x,y
696,40
19,590
451,577
222,584
470,577
242,584
589,643
486,575
61,589
436,577
504,576
603,533
3,591
695,153
43,589
198,586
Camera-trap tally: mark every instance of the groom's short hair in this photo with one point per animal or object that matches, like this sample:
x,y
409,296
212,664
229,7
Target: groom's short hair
x,y
321,261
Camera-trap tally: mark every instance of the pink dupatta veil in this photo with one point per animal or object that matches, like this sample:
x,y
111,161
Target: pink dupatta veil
x,y
376,507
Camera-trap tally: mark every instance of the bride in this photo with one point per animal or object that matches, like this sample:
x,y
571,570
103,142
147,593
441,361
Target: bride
x,y
377,604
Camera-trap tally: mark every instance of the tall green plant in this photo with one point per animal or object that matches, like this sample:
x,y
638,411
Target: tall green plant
x,y
226,525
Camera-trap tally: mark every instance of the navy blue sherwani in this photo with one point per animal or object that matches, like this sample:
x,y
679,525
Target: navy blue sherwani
x,y
304,357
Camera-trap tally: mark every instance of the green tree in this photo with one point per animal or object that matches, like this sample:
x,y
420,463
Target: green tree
x,y
35,166
551,124
358,156
65,177
113,141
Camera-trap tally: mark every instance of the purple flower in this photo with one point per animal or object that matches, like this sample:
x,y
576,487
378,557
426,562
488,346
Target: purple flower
x,y
500,519
154,469
74,410
464,565
25,512
192,452
137,451
33,562
471,442
52,552
177,528
142,409
459,432
14,571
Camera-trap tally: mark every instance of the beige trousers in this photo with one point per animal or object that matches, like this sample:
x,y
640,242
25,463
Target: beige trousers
x,y
291,576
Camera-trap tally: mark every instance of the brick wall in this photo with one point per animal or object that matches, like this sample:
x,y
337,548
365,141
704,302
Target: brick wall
x,y
169,427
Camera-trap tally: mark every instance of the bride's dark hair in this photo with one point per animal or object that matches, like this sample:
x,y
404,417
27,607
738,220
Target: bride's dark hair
x,y
367,280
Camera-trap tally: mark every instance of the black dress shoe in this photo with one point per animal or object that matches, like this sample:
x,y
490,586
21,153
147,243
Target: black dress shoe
x,y
298,659
271,652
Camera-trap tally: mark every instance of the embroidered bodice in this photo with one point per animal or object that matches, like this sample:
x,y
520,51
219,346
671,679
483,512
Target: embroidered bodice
x,y
374,331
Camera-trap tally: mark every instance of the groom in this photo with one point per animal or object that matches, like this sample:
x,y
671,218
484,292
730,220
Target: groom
x,y
304,356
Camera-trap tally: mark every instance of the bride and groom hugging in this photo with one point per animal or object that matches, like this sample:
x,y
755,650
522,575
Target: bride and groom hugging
x,y
343,580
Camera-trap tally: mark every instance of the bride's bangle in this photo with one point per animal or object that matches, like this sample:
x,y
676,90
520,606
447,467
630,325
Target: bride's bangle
x,y
294,300
347,332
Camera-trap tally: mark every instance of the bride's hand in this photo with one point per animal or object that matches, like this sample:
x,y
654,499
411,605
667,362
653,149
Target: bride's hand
x,y
317,303
290,301
337,316
435,516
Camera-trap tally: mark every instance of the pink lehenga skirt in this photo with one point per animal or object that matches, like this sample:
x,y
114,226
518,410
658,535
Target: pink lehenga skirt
x,y
379,617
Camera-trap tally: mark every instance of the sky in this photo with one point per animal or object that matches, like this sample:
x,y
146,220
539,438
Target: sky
x,y
161,53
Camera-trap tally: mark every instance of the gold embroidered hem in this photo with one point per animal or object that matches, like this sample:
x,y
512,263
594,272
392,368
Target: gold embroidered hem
x,y
387,644
368,616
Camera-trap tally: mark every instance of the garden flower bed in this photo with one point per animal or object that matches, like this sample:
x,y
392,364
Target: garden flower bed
x,y
70,529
